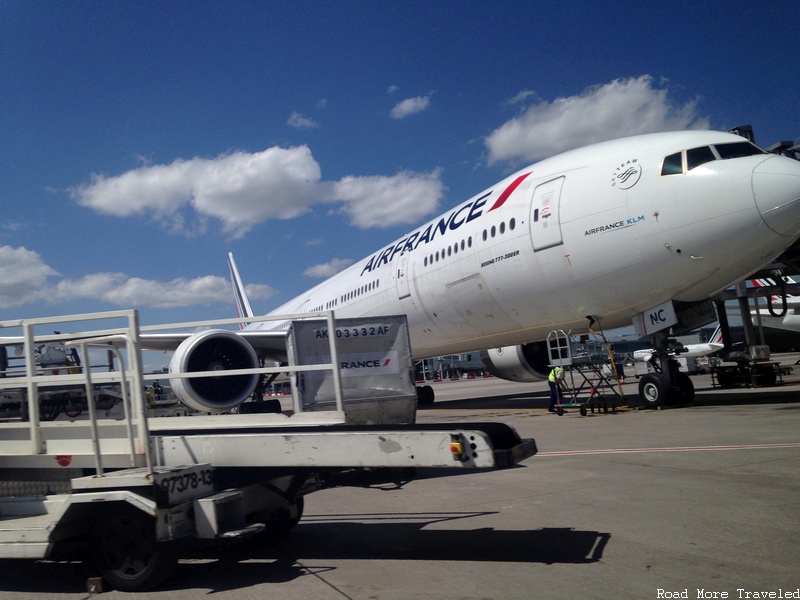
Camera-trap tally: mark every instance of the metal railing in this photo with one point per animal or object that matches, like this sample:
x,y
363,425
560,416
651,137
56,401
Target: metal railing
x,y
125,341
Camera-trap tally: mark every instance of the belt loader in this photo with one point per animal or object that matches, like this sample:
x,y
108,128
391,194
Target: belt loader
x,y
132,491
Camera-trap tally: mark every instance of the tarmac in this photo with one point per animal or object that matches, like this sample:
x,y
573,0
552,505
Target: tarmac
x,y
690,502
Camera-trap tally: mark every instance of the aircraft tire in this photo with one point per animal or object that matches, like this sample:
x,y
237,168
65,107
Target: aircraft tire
x,y
654,390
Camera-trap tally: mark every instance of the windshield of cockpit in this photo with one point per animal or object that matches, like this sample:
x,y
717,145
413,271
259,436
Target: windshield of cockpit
x,y
686,160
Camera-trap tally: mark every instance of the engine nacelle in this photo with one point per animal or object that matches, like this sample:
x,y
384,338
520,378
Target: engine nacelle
x,y
527,362
213,350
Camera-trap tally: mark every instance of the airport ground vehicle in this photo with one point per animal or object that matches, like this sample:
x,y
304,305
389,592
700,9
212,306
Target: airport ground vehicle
x,y
132,490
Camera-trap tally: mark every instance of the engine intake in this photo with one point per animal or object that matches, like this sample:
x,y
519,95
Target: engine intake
x,y
213,350
527,362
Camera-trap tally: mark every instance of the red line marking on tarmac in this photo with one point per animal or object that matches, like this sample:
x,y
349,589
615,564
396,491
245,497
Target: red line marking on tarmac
x,y
677,449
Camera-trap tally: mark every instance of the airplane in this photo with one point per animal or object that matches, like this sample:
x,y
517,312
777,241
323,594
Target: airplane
x,y
640,230
677,349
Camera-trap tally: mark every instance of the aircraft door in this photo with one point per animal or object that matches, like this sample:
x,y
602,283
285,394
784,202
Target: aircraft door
x,y
544,219
403,288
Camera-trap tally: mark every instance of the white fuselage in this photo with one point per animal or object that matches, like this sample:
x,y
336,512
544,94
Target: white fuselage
x,y
595,231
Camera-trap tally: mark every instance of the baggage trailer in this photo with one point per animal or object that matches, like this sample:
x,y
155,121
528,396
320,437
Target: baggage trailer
x,y
133,492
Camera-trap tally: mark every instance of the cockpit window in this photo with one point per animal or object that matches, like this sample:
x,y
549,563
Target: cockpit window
x,y
699,156
673,165
737,150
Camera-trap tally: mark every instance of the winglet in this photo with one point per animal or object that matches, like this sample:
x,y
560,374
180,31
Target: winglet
x,y
239,295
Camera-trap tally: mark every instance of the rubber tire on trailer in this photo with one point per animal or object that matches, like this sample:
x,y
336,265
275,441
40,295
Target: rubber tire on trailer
x,y
131,560
284,523
425,395
726,379
654,390
765,377
685,387
582,410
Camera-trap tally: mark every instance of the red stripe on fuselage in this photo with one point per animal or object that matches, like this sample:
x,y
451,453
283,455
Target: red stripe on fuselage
x,y
508,191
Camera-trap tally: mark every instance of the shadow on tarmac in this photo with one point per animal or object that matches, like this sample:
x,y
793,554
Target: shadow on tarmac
x,y
334,538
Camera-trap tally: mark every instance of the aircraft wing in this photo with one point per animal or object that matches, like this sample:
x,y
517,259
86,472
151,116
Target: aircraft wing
x,y
265,343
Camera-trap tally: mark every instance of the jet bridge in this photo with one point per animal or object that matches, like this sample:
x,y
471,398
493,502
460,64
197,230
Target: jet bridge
x,y
126,489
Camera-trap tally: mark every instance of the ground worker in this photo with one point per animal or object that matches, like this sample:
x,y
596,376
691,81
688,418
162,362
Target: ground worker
x,y
555,378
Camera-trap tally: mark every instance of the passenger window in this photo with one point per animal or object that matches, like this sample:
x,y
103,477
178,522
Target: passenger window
x,y
698,156
673,165
737,150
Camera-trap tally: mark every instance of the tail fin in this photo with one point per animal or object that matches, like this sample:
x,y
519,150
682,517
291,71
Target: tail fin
x,y
716,337
243,308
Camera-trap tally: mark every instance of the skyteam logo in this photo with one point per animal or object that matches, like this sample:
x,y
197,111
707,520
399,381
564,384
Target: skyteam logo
x,y
627,175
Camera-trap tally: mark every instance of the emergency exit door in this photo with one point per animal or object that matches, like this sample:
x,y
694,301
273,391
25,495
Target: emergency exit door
x,y
544,219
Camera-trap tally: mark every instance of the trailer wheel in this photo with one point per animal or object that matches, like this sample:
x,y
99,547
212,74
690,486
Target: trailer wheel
x,y
425,395
286,520
685,387
654,389
131,560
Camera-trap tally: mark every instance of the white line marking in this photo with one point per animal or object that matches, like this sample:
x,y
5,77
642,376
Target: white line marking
x,y
677,449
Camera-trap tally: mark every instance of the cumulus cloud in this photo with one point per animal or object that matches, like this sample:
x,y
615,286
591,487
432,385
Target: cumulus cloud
x,y
384,201
25,277
616,109
329,268
410,106
298,121
239,189
243,189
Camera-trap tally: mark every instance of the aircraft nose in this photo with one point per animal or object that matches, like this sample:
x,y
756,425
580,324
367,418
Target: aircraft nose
x,y
776,189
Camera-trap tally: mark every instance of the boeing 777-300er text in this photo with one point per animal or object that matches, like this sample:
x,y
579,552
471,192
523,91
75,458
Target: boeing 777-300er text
x,y
640,230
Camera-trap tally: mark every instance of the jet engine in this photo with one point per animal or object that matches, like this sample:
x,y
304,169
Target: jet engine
x,y
213,350
527,362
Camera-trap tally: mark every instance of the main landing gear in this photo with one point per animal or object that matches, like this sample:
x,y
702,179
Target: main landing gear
x,y
668,385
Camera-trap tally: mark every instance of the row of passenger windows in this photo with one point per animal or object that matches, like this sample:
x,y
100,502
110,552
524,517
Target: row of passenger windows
x,y
674,163
330,304
492,232
460,246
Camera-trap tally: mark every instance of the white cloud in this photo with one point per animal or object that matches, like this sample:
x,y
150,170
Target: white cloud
x,y
522,97
23,276
298,121
24,279
620,108
393,89
239,189
243,189
329,268
410,106
380,201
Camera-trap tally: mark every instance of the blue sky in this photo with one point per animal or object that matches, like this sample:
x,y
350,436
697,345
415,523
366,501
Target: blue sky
x,y
141,141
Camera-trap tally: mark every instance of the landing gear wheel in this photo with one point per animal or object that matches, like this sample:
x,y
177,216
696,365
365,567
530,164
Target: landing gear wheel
x,y
131,559
654,389
560,411
583,411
